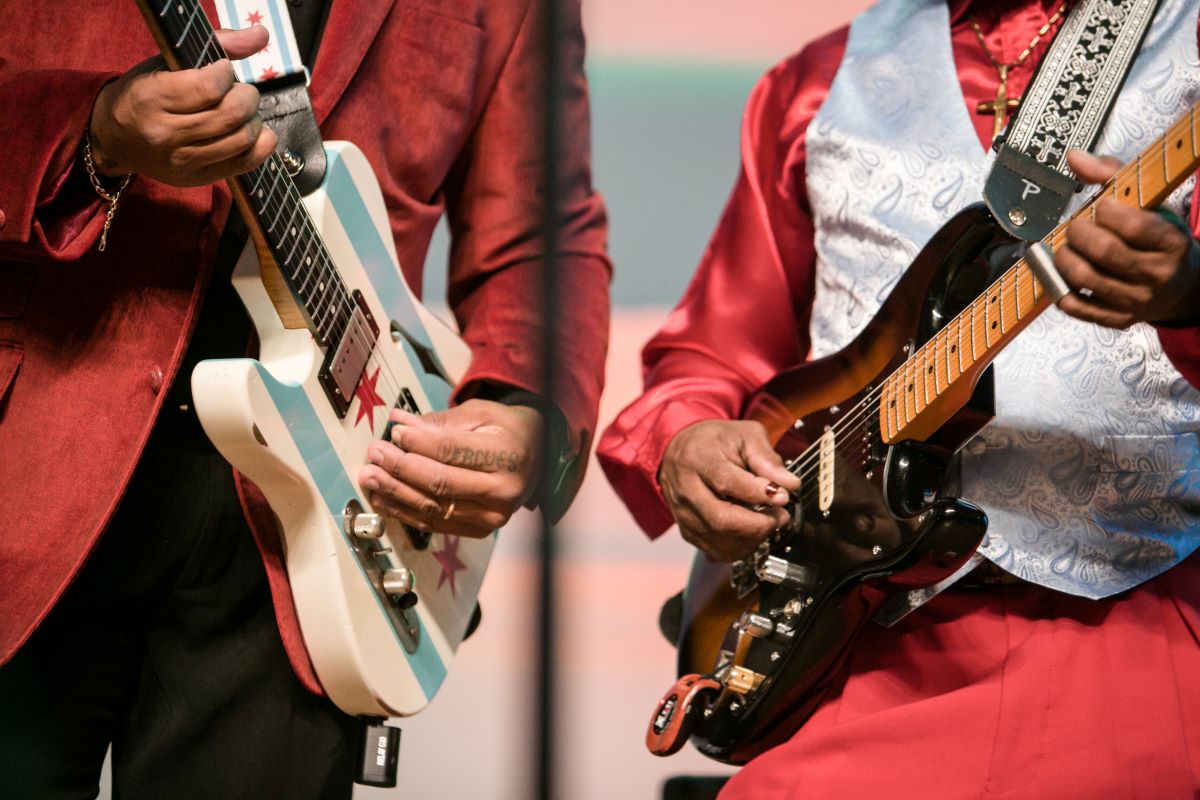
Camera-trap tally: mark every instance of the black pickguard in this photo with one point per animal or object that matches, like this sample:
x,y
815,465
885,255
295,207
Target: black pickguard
x,y
893,525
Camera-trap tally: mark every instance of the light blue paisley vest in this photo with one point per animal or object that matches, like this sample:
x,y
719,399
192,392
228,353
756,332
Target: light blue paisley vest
x,y
1090,473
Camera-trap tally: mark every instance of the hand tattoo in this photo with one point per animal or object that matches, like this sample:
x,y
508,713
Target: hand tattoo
x,y
486,460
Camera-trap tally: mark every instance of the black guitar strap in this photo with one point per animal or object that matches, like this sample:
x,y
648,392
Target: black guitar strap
x,y
1065,107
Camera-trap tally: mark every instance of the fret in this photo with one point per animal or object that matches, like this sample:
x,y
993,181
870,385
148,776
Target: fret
x,y
1152,169
1123,186
974,315
279,215
990,324
309,272
202,59
1138,164
910,400
1017,292
895,403
919,393
1177,150
1195,128
296,241
938,364
926,372
956,348
187,29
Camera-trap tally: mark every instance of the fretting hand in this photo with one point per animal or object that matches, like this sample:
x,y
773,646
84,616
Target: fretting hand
x,y
713,474
462,471
1129,265
185,128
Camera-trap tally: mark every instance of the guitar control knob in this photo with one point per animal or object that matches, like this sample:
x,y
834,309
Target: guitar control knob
x,y
367,526
757,625
399,583
776,570
743,681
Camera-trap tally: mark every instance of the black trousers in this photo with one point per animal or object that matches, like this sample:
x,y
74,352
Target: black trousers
x,y
166,647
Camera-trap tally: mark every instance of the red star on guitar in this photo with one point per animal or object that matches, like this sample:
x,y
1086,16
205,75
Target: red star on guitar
x,y
368,399
451,563
254,18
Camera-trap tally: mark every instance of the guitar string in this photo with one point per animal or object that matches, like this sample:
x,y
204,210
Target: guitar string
x,y
867,409
195,53
804,464
1019,276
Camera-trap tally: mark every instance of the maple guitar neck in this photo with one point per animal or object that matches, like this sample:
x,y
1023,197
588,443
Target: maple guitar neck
x,y
914,400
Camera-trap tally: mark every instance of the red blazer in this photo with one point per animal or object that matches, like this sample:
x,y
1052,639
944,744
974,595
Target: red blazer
x,y
441,95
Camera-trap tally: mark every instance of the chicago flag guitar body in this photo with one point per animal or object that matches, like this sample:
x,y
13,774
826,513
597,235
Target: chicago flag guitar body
x,y
871,431
382,608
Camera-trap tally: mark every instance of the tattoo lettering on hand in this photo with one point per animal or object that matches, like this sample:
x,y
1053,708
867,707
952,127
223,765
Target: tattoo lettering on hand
x,y
486,460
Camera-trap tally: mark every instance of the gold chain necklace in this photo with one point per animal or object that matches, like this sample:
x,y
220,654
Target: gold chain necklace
x,y
1002,104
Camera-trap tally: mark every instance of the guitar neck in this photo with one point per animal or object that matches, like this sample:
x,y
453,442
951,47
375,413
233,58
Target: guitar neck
x,y
266,195
950,362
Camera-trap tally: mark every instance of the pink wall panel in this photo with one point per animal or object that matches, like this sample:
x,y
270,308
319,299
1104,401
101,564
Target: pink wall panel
x,y
756,31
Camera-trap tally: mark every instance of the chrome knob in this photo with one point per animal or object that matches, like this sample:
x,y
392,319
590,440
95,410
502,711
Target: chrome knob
x,y
776,570
757,625
398,583
367,526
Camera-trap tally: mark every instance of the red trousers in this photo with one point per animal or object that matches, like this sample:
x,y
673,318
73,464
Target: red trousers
x,y
1011,692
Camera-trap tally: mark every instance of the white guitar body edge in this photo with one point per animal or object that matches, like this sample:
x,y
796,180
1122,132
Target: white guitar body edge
x,y
272,420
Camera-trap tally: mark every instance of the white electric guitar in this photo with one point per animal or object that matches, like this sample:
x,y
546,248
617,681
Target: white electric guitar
x,y
343,340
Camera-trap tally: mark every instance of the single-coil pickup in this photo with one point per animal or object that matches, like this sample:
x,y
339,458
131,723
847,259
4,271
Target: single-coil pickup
x,y
827,455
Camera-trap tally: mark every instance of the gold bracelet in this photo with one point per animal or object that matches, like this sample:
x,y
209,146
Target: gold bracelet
x,y
111,199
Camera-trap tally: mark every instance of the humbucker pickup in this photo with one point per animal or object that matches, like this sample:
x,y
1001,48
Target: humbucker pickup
x,y
346,362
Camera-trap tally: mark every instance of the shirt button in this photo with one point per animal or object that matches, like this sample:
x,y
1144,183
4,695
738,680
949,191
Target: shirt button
x,y
156,379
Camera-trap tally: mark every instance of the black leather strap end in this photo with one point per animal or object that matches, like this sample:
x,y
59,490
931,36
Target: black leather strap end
x,y
1026,197
287,109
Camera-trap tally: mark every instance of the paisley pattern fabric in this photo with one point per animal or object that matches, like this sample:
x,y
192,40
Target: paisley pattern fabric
x,y
1090,473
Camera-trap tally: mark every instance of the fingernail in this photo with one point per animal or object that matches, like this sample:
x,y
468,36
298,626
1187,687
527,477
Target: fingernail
x,y
374,454
773,489
371,483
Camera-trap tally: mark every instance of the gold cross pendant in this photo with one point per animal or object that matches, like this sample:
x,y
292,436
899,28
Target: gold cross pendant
x,y
1001,105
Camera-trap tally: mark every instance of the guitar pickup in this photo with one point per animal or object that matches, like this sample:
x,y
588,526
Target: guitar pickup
x,y
347,361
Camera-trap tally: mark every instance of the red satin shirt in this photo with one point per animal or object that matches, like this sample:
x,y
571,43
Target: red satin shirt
x,y
744,318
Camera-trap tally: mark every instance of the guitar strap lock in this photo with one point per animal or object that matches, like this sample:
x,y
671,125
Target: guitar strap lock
x,y
1064,108
1027,197
286,108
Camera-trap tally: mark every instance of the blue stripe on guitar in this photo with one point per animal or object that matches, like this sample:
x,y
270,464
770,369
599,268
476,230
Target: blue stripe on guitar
x,y
381,269
329,476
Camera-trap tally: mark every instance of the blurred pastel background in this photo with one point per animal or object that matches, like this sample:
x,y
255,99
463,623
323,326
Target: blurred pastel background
x,y
668,81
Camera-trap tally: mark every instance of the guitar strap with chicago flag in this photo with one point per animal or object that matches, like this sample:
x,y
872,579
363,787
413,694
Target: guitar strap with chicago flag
x,y
279,74
1065,107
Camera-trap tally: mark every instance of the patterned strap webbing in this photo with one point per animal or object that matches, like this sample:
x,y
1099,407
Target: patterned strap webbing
x,y
1064,108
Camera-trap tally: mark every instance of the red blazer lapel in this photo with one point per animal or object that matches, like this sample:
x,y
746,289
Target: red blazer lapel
x,y
349,31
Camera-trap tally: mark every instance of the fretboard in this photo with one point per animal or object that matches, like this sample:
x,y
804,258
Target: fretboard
x,y
187,40
953,358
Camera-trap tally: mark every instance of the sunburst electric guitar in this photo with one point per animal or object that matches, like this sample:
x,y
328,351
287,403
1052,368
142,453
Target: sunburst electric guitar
x,y
870,430
343,340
